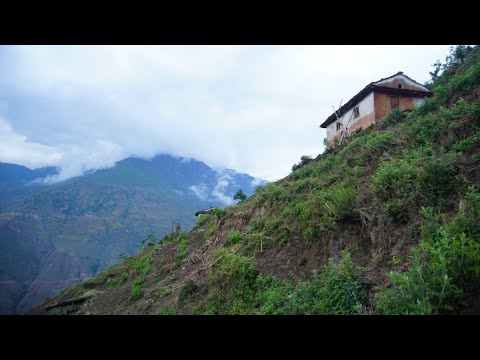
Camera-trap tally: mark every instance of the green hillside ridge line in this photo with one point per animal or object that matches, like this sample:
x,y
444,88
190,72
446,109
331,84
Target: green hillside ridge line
x,y
387,223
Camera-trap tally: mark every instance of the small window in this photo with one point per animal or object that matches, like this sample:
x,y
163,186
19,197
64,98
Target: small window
x,y
338,126
400,86
356,112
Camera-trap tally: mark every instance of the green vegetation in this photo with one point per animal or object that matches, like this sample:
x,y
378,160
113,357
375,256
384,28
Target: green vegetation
x,y
187,290
201,220
141,267
214,221
240,196
167,310
401,198
236,287
182,239
444,275
304,160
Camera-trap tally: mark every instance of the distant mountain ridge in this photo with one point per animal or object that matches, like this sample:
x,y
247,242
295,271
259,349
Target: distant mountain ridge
x,y
12,173
52,236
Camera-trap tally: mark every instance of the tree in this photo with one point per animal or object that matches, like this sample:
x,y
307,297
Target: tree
x,y
304,160
240,196
458,54
435,73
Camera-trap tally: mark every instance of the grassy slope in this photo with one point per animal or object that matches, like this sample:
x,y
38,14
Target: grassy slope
x,y
335,236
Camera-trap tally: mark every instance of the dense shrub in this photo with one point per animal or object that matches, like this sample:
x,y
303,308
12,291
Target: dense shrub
x,y
187,290
304,160
336,289
445,270
231,284
182,247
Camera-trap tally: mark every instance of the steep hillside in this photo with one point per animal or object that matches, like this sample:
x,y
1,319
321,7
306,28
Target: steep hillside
x,y
53,236
388,223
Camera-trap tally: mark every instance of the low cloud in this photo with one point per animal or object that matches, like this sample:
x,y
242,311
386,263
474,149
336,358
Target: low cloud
x,y
17,149
203,192
256,182
255,109
200,191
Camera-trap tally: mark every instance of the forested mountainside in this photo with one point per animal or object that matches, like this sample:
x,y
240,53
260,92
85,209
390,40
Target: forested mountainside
x,y
386,223
53,236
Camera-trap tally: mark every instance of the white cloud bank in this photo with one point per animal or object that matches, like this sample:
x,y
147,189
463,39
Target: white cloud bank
x,y
15,148
255,109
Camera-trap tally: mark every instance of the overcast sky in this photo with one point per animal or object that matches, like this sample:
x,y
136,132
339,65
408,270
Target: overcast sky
x,y
255,109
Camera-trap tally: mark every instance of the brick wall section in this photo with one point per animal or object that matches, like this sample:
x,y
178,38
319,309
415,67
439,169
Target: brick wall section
x,y
406,103
362,123
382,105
330,139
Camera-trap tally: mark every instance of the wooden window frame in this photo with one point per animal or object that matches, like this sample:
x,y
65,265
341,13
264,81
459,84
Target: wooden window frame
x,y
356,112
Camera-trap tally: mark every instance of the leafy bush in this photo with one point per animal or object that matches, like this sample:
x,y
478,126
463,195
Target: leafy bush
x,y
467,143
111,283
182,247
141,266
236,287
187,290
233,238
231,284
417,177
272,295
445,270
201,220
219,213
123,277
337,289
167,310
394,117
136,288
304,160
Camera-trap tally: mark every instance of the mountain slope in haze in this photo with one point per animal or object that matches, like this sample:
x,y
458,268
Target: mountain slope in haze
x,y
12,173
387,223
52,236
13,179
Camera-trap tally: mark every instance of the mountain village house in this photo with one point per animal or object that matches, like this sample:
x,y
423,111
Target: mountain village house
x,y
373,103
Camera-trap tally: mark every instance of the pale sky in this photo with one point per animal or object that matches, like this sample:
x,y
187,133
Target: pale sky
x,y
254,109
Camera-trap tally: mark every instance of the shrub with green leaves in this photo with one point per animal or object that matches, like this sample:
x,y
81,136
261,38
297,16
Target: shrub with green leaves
x,y
182,247
141,267
467,143
201,220
231,284
304,160
415,178
337,289
187,290
167,310
444,275
234,237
